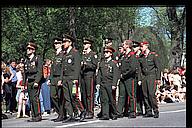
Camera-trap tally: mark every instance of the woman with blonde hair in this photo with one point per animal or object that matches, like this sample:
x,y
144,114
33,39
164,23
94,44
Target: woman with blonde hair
x,y
6,77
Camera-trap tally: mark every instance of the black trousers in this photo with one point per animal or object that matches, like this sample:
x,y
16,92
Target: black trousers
x,y
149,88
87,93
13,103
108,106
57,97
72,101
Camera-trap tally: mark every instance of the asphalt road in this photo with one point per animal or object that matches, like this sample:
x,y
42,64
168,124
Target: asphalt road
x,y
171,115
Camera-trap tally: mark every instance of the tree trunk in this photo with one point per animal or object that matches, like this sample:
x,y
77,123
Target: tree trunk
x,y
72,24
176,37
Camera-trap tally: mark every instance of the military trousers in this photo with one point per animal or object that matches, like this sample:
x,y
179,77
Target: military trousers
x,y
72,101
122,104
130,87
87,93
57,97
108,105
139,99
34,98
149,88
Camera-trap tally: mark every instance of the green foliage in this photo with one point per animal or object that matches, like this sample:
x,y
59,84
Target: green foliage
x,y
21,24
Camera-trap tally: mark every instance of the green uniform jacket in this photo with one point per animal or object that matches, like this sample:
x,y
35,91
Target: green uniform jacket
x,y
33,69
129,66
71,64
90,67
108,73
150,65
57,66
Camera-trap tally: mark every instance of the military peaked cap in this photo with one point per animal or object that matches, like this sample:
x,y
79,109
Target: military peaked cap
x,y
57,39
32,45
87,41
108,40
109,48
136,44
67,37
143,43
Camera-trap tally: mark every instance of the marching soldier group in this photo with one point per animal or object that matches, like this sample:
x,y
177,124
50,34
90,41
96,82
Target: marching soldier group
x,y
133,69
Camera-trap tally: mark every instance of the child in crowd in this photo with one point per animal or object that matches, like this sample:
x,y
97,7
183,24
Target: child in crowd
x,y
22,94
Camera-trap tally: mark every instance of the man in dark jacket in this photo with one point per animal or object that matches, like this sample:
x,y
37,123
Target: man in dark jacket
x,y
107,79
32,77
88,69
70,81
151,75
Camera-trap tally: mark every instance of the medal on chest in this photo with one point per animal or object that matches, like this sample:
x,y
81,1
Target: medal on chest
x,y
69,61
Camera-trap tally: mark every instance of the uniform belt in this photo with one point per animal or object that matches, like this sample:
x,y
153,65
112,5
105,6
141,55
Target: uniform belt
x,y
31,80
149,74
31,73
56,75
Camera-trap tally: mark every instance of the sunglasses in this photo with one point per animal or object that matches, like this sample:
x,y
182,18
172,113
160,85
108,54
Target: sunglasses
x,y
57,42
66,41
31,48
107,52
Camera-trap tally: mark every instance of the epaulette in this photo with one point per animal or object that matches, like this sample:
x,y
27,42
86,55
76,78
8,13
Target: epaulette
x,y
131,53
154,53
75,50
115,61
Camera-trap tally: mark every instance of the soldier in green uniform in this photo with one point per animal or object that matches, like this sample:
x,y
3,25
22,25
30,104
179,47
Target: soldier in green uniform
x,y
128,74
107,42
88,69
122,105
139,93
71,71
56,88
32,77
107,79
151,72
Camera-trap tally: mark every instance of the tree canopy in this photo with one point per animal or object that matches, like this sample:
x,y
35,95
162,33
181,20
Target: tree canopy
x,y
21,24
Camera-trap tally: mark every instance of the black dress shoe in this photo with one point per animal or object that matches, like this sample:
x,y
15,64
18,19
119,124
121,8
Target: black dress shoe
x,y
82,116
114,118
99,115
126,114
120,116
148,115
58,119
156,115
55,118
104,118
131,116
69,119
89,116
139,114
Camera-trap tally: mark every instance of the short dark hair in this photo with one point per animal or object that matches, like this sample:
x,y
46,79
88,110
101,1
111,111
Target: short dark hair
x,y
13,60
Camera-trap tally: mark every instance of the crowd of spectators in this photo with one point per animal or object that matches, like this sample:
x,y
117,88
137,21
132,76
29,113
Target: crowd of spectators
x,y
173,86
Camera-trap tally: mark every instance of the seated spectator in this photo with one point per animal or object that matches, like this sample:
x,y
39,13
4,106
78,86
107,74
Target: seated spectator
x,y
177,81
